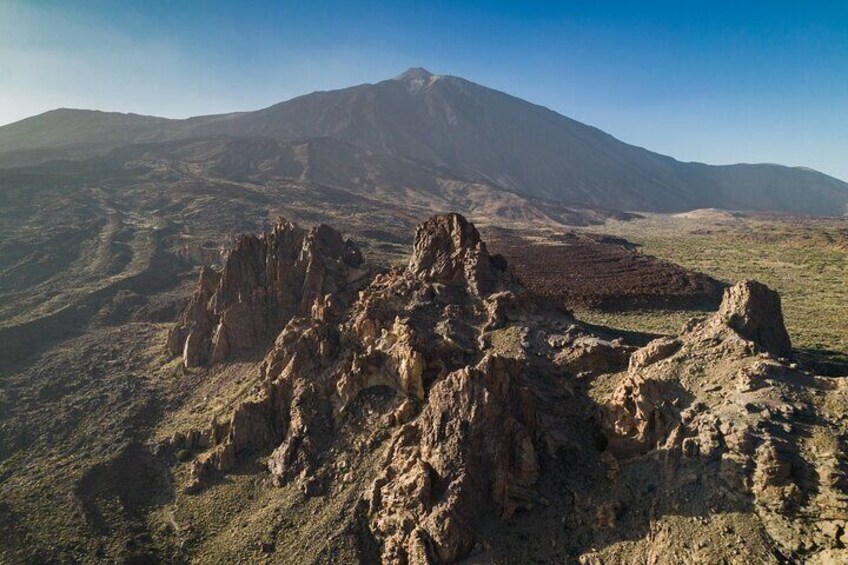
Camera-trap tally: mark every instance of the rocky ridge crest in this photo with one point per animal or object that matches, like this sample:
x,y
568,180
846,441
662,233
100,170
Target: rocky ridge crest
x,y
266,281
482,400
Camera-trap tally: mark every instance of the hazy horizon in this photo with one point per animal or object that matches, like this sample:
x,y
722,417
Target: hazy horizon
x,y
718,84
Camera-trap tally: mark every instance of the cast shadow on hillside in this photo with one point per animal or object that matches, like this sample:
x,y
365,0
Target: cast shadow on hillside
x,y
21,345
822,361
590,502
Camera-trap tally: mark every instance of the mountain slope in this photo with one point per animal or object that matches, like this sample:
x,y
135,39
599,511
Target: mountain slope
x,y
336,164
476,133
483,133
67,127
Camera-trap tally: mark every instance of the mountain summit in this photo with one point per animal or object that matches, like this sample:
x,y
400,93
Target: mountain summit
x,y
416,78
475,133
415,74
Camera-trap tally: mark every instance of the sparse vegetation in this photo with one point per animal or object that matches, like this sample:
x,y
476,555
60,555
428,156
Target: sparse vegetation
x,y
805,259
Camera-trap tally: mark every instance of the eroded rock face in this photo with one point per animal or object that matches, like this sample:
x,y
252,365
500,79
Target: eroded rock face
x,y
753,310
448,250
655,351
587,356
266,280
469,396
473,444
462,435
707,405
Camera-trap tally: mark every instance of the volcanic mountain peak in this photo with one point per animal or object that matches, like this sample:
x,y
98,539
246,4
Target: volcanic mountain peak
x,y
472,132
415,73
416,78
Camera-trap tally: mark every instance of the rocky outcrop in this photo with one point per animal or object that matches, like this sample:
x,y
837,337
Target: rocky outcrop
x,y
448,250
473,444
588,356
290,413
715,403
266,280
655,351
463,430
465,402
640,418
753,310
191,335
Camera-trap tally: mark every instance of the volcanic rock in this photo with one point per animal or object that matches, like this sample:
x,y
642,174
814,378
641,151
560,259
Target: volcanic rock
x,y
473,443
448,250
655,351
588,356
753,310
716,409
266,280
446,394
465,425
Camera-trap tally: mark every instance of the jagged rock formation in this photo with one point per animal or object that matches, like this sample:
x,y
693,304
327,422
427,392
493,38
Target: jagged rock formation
x,y
464,428
471,446
707,403
754,311
265,282
485,412
449,250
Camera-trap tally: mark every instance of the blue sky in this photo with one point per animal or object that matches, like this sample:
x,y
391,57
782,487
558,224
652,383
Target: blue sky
x,y
706,81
